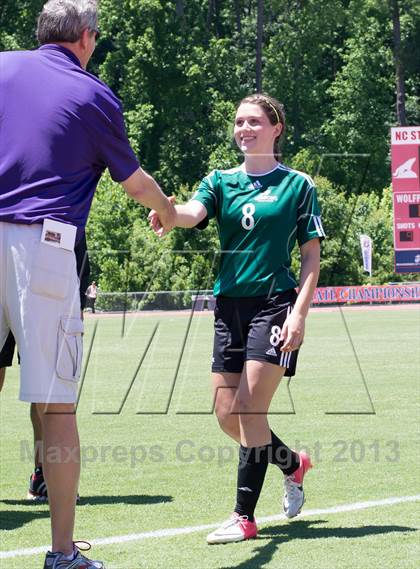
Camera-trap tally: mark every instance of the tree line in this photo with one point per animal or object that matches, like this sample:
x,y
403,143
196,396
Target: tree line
x,y
345,70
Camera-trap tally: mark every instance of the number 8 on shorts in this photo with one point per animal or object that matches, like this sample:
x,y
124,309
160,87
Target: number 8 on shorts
x,y
275,336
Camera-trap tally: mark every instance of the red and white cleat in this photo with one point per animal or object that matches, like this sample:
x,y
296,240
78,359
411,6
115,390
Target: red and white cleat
x,y
294,496
236,528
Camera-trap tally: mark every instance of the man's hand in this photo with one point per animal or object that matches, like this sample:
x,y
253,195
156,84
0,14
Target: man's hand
x,y
164,221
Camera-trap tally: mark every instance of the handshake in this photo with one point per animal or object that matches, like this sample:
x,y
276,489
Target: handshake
x,y
186,215
163,222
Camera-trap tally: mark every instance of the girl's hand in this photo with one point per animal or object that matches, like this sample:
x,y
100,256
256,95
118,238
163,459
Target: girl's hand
x,y
292,332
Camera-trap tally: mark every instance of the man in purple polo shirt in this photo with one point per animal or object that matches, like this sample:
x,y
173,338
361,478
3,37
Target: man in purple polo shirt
x,y
60,128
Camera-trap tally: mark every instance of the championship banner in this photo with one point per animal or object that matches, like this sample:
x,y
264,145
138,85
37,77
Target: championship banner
x,y
380,294
367,294
405,153
366,245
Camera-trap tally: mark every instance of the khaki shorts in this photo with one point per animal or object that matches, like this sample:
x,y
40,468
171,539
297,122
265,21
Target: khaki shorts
x,y
40,304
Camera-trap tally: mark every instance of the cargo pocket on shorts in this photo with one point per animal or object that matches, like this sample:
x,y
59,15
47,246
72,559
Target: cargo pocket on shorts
x,y
51,271
70,348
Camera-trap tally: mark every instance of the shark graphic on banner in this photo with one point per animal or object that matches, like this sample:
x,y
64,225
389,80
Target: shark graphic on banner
x,y
405,170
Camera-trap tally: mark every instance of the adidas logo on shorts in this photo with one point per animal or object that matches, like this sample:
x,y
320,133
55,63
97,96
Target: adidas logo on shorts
x,y
271,352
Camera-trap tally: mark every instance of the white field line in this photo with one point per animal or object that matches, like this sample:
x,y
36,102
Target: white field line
x,y
171,532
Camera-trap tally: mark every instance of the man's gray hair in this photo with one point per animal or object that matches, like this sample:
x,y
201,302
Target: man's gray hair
x,y
65,20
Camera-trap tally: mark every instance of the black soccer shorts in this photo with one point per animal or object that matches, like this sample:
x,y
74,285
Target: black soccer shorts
x,y
6,354
249,328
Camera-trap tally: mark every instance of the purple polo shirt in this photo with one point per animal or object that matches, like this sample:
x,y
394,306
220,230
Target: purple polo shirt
x,y
60,128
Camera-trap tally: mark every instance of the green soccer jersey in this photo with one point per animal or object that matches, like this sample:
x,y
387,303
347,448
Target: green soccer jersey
x,y
259,218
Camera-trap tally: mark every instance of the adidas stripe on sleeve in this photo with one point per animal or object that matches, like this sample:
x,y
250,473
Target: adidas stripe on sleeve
x,y
309,224
207,194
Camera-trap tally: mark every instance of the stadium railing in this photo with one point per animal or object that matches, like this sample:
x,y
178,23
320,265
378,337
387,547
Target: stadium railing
x,y
204,300
155,300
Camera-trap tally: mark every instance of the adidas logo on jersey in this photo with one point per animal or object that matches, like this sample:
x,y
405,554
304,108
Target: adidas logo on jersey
x,y
266,197
255,185
271,352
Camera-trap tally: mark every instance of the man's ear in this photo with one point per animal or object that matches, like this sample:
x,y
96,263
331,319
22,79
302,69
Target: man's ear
x,y
85,38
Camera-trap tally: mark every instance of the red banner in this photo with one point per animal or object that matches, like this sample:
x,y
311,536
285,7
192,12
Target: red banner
x,y
367,294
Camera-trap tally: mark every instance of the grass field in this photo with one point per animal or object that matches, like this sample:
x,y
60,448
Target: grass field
x,y
160,462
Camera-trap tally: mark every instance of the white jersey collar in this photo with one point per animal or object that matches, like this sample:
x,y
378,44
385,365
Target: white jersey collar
x,y
242,167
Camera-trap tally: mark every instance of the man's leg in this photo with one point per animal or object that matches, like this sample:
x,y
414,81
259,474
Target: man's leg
x,y
6,355
37,428
37,486
61,467
46,322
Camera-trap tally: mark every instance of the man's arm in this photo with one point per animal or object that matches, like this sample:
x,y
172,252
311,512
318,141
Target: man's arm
x,y
143,188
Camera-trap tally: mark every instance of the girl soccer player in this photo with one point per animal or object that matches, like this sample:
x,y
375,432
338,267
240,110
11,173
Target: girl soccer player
x,y
262,207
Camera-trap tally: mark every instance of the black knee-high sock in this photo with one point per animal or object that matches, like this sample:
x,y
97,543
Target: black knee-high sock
x,y
282,456
253,463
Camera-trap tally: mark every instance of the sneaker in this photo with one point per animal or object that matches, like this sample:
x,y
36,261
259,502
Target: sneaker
x,y
294,496
236,528
59,561
37,487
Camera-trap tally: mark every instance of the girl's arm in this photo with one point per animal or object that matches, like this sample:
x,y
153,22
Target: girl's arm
x,y
190,214
294,328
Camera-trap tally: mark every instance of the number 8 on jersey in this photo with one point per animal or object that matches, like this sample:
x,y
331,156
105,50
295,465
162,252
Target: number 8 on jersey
x,y
248,220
